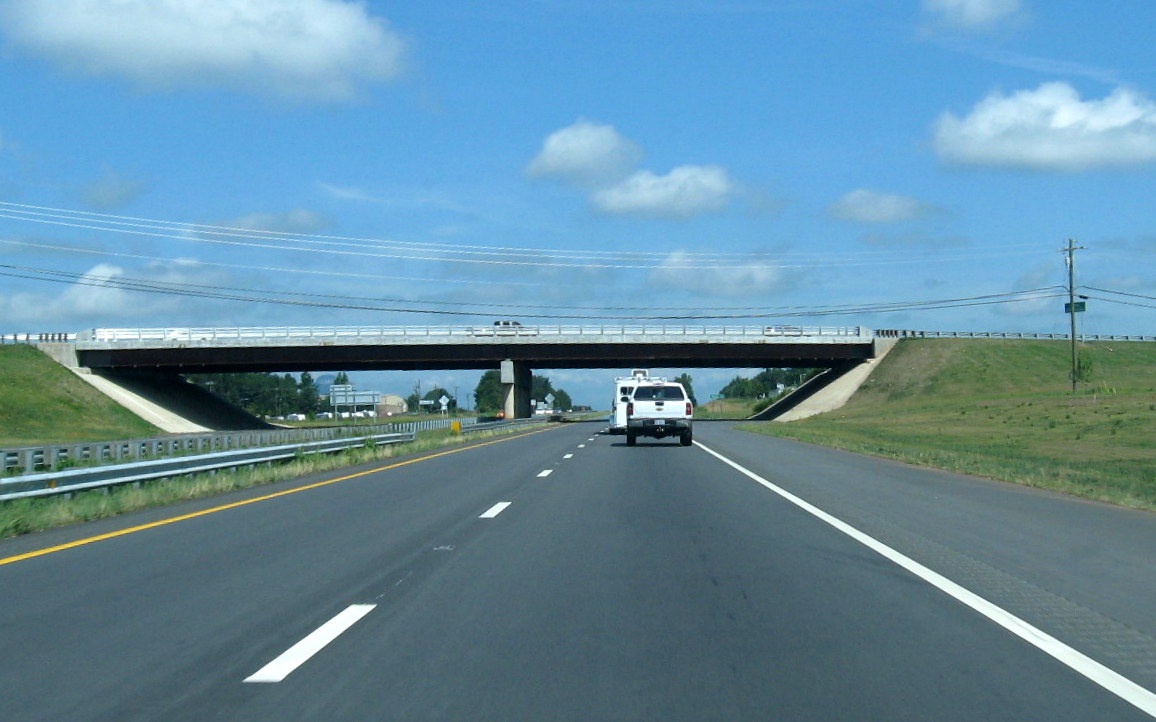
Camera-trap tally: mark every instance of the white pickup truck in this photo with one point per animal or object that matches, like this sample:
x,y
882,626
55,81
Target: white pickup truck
x,y
658,409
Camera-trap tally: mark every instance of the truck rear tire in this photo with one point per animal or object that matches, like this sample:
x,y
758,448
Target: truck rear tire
x,y
686,439
630,439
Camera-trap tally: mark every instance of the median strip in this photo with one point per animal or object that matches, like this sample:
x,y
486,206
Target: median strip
x,y
246,502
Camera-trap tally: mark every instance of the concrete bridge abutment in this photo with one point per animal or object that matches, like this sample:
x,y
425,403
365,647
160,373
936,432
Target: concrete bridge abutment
x,y
517,384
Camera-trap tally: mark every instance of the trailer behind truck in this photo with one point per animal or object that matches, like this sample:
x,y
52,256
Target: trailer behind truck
x,y
623,391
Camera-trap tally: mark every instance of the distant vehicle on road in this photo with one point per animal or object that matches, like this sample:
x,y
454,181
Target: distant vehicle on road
x,y
658,409
505,328
782,331
623,389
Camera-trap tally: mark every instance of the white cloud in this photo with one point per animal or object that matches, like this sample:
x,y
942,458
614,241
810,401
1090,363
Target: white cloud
x,y
681,271
112,190
973,14
600,160
298,220
97,296
1051,128
586,153
868,206
686,191
304,49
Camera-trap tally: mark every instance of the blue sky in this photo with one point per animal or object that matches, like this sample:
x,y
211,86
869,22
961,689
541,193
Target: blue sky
x,y
554,160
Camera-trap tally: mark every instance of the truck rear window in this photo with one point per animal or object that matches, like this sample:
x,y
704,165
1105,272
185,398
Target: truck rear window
x,y
659,393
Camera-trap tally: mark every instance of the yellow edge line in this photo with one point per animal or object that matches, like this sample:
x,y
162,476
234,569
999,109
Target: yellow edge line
x,y
234,505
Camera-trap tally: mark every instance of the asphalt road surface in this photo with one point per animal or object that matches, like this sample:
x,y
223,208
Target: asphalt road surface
x,y
560,575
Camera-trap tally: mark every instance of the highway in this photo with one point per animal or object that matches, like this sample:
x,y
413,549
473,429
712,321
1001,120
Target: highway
x,y
561,575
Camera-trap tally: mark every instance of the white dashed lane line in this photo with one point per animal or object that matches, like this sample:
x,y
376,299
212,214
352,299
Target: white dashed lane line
x,y
299,653
494,510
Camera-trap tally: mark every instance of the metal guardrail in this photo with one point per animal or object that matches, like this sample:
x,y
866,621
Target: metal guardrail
x,y
33,338
69,480
32,459
895,333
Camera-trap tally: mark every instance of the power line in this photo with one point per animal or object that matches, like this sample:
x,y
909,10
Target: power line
x,y
1119,302
295,298
1120,293
463,253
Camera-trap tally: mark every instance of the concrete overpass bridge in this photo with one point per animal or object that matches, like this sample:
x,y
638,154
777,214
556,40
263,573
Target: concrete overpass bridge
x,y
517,350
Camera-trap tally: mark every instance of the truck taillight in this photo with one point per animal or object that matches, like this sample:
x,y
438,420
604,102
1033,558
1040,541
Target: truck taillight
x,y
630,409
689,409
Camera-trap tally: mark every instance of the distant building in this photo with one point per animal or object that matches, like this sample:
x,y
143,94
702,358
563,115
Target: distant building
x,y
391,404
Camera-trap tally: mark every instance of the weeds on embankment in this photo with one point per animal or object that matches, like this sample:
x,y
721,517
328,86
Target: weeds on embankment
x,y
1004,409
24,516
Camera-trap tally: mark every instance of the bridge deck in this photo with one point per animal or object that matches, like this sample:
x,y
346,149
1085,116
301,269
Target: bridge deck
x,y
192,350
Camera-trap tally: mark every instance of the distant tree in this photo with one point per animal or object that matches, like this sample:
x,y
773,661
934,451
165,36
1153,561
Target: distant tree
x,y
308,399
435,394
685,380
540,388
488,393
264,394
767,383
341,379
562,400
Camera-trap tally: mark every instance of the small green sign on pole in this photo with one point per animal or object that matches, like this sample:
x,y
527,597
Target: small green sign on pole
x,y
1077,307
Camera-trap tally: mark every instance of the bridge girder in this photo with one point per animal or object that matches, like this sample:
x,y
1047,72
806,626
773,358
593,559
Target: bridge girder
x,y
234,359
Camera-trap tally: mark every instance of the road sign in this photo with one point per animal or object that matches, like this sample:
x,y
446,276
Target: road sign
x,y
345,395
1081,306
718,396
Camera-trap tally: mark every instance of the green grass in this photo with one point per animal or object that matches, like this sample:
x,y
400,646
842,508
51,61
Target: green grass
x,y
1004,409
24,516
726,409
41,402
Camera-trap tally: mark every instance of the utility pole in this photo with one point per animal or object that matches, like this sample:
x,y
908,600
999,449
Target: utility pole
x,y
1070,258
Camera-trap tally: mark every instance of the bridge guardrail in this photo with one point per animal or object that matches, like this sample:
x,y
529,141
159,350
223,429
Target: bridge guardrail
x,y
361,332
307,333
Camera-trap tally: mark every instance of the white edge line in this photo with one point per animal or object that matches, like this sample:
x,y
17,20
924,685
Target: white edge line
x,y
299,653
496,509
1110,680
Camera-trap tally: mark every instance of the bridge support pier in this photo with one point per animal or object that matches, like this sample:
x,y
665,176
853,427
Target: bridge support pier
x,y
517,383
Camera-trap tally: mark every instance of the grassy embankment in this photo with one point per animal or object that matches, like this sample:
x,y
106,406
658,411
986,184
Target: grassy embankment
x,y
1004,409
42,403
727,409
